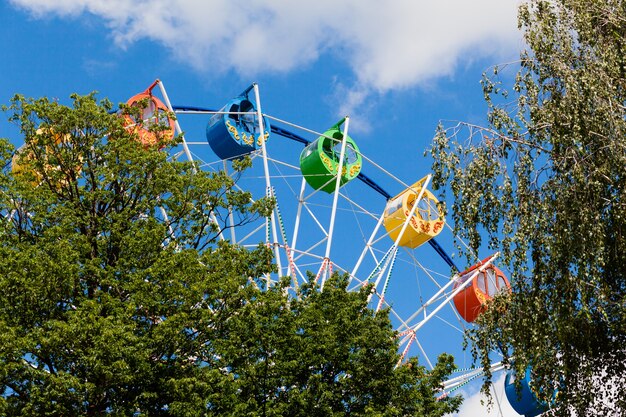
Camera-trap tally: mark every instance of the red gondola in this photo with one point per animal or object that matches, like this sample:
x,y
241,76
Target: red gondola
x,y
472,300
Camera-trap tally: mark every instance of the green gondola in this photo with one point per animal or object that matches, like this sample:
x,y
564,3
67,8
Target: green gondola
x,y
319,161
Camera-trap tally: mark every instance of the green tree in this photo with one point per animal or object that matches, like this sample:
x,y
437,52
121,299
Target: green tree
x,y
545,184
117,298
325,354
100,295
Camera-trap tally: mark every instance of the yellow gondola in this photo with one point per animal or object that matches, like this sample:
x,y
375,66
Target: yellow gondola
x,y
21,162
426,222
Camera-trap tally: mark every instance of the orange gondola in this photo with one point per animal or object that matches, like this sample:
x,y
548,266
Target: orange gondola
x,y
472,300
153,112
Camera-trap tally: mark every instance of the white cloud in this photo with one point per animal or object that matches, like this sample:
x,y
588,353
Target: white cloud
x,y
472,406
388,45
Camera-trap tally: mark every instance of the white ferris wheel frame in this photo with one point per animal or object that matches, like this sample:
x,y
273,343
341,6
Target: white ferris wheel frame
x,y
428,310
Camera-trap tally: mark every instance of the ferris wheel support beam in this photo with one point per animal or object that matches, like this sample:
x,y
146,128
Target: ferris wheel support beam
x,y
231,219
331,227
392,254
179,131
296,226
176,124
266,170
387,279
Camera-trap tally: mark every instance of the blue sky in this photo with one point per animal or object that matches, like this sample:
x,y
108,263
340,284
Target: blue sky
x,y
396,67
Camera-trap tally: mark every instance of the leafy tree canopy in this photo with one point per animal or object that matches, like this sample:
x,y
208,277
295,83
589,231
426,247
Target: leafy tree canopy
x,y
545,184
117,298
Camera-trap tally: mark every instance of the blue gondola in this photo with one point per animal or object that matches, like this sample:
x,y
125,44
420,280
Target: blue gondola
x,y
234,131
526,402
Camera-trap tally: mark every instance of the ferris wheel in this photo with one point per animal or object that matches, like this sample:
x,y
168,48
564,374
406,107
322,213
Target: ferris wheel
x,y
386,236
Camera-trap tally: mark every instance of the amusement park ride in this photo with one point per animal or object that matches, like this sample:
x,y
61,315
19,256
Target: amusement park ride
x,y
328,217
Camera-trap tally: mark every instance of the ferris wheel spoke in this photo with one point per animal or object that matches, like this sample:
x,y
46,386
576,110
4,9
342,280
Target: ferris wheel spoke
x,y
419,345
368,247
296,227
252,233
458,329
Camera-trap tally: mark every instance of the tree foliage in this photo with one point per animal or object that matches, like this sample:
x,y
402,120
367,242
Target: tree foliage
x,y
545,184
117,298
